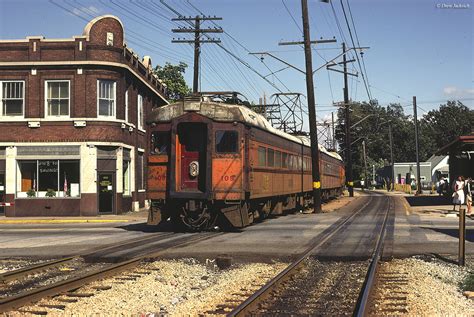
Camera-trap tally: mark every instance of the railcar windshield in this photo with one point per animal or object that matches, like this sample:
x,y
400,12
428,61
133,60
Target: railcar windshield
x,y
227,141
160,142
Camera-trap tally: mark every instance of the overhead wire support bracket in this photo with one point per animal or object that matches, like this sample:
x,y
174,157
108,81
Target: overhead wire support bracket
x,y
312,42
280,60
342,72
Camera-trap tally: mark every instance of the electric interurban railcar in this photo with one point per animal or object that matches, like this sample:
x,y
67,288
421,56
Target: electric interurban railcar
x,y
216,163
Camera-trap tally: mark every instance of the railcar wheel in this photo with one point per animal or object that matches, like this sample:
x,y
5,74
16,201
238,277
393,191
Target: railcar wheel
x,y
197,220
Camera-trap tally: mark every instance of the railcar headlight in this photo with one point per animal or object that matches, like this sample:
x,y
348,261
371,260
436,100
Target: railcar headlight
x,y
194,168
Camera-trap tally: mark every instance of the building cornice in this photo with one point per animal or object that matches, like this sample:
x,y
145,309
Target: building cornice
x,y
34,64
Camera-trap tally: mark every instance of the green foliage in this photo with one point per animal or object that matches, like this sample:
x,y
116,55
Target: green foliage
x,y
468,283
172,76
436,129
50,193
448,122
30,193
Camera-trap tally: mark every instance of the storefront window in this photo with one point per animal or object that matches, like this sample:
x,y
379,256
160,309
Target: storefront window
x,y
49,178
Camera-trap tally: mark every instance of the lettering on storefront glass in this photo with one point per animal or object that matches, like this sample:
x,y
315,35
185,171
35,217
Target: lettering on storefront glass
x,y
48,166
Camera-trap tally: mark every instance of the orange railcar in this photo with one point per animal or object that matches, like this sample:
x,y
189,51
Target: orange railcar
x,y
215,163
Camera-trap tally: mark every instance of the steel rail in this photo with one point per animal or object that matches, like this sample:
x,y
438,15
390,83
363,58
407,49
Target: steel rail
x,y
17,301
25,271
369,281
28,297
16,274
248,305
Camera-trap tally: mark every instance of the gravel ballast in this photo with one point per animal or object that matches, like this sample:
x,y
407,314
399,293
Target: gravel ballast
x,y
177,288
432,287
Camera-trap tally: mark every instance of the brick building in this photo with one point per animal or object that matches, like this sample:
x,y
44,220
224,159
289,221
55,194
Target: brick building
x,y
72,123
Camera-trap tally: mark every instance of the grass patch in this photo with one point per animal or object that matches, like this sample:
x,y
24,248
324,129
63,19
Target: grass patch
x,y
468,283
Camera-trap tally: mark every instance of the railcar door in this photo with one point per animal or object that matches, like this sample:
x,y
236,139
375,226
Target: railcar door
x,y
193,145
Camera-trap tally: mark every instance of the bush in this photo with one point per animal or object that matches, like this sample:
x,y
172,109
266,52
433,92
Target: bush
x,y
50,193
468,283
30,193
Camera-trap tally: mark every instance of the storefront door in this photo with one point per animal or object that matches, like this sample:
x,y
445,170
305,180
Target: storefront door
x,y
2,192
106,190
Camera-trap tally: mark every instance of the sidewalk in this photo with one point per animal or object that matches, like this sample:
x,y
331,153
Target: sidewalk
x,y
108,218
427,204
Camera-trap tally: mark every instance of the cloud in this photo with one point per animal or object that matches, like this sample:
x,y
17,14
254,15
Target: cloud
x,y
453,91
94,9
85,11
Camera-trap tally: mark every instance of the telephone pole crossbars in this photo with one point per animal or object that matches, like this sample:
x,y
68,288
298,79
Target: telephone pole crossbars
x,y
195,23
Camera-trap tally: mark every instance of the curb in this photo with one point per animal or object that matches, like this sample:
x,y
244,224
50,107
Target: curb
x,y
25,221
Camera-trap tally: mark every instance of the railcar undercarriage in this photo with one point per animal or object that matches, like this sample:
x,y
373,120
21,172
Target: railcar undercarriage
x,y
201,215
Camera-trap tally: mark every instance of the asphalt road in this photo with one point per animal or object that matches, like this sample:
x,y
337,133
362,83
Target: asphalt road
x,y
279,238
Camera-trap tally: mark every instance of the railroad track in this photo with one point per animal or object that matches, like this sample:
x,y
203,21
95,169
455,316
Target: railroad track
x,y
68,286
48,265
307,285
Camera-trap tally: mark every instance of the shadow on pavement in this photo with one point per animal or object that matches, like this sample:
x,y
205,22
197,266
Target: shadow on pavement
x,y
143,227
454,233
429,200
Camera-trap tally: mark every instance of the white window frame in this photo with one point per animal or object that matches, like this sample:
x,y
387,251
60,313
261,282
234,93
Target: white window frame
x,y
1,99
126,106
140,113
114,115
128,192
46,115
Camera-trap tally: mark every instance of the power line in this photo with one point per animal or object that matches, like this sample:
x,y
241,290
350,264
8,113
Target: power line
x,y
292,17
357,56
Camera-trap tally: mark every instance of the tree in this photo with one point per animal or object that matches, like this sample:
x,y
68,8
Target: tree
x,y
447,123
437,128
172,76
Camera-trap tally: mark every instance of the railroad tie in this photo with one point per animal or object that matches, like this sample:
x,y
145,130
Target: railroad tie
x,y
55,306
33,312
102,288
69,294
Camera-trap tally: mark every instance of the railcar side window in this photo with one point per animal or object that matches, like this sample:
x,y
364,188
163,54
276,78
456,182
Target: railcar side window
x,y
160,142
284,160
271,158
277,159
262,156
227,141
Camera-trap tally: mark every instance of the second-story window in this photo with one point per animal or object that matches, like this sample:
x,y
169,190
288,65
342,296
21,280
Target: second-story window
x,y
57,98
12,95
141,115
106,98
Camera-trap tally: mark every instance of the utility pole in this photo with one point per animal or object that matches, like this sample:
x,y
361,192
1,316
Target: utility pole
x,y
350,184
365,164
333,133
313,131
418,177
392,169
197,30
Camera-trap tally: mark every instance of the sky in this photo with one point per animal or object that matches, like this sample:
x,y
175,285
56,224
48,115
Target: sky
x,y
420,48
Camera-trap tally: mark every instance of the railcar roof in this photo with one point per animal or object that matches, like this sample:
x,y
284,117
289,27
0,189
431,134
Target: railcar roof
x,y
228,113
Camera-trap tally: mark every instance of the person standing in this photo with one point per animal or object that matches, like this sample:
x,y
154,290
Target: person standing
x,y
458,195
469,190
